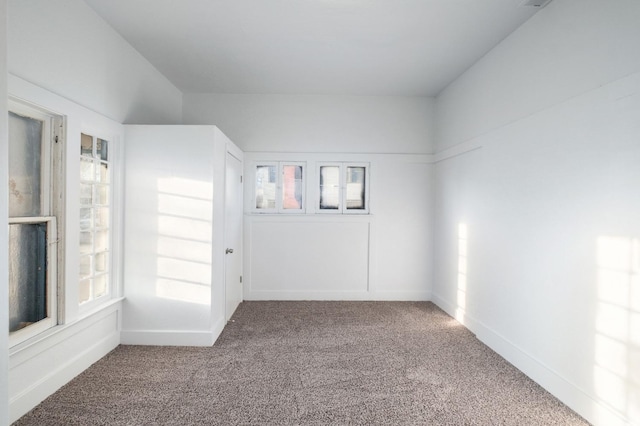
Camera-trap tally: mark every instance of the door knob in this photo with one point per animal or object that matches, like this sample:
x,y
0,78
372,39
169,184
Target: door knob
x,y
227,251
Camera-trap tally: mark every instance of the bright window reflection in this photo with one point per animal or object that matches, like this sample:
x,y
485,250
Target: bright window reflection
x,y
616,373
185,215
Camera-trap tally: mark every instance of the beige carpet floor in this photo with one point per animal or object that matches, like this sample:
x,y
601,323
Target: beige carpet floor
x,y
311,363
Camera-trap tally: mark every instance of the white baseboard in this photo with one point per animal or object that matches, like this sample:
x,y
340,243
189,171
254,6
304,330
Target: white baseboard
x,y
20,404
593,410
417,296
168,338
217,328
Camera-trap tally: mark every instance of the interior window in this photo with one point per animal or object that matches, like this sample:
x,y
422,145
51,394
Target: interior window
x,y
279,187
342,188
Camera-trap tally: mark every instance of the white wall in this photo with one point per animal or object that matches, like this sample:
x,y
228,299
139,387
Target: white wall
x,y
393,134
290,123
65,47
385,255
565,50
174,244
536,225
4,213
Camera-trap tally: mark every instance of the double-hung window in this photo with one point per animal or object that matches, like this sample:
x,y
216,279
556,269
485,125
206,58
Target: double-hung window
x,y
343,188
36,198
279,187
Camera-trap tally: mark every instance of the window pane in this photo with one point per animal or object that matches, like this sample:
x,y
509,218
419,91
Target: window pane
x,y
102,217
100,286
84,292
86,242
330,187
102,240
85,266
86,219
102,149
103,174
292,187
102,194
27,274
266,187
87,170
86,145
86,194
25,152
355,188
101,263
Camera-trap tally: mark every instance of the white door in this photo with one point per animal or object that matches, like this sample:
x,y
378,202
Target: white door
x,y
233,235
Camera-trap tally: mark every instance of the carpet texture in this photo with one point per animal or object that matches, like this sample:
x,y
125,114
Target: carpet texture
x,y
311,363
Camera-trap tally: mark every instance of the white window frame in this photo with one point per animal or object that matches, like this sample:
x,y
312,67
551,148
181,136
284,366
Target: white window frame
x,y
279,208
111,251
52,210
343,188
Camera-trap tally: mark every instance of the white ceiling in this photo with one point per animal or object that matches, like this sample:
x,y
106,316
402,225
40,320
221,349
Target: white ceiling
x,y
359,47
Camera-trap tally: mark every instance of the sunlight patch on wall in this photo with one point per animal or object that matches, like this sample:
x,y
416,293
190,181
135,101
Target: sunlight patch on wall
x,y
617,342
461,297
183,269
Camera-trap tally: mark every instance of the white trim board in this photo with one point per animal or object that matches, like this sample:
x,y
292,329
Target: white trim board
x,y
338,296
168,338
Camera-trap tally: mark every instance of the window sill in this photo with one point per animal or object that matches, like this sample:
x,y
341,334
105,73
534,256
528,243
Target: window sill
x,y
55,334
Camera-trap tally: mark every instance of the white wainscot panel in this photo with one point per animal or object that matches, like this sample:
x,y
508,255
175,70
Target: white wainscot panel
x,y
41,368
307,260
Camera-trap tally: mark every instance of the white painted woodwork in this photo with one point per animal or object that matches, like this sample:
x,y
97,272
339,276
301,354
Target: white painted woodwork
x,y
233,233
4,224
301,259
39,369
547,195
174,243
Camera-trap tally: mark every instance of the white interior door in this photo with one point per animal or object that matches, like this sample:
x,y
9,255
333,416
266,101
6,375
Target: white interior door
x,y
233,235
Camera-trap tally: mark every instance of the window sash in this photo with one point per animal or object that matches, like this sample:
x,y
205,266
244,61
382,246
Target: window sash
x,y
279,187
51,274
343,188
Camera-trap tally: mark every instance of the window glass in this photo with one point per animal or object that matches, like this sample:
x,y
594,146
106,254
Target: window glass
x,y
28,295
355,188
292,187
266,187
102,149
95,230
330,187
25,167
86,145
